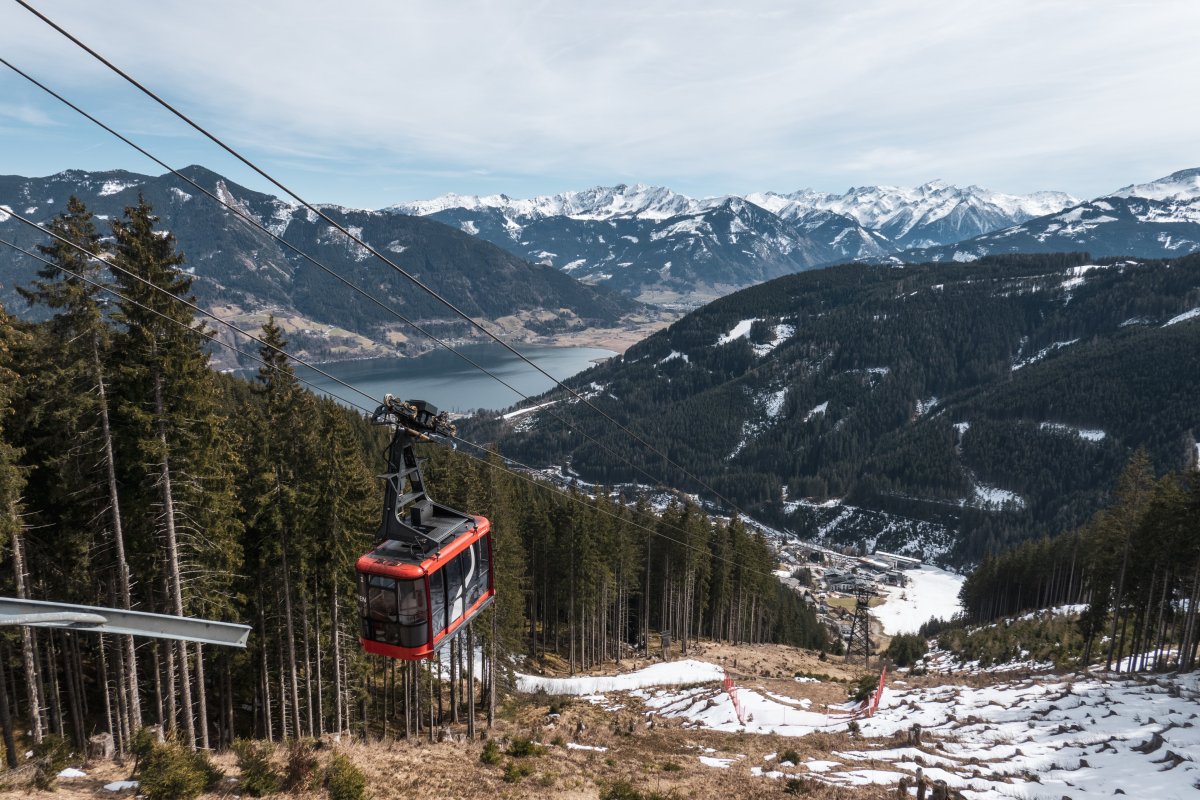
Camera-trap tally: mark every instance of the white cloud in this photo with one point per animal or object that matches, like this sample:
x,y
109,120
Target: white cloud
x,y
1021,95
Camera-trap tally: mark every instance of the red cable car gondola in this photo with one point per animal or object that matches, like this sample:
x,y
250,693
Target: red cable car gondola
x,y
430,571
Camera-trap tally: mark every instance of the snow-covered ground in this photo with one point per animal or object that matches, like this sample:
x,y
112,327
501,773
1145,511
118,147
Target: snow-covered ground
x,y
931,592
672,673
1041,737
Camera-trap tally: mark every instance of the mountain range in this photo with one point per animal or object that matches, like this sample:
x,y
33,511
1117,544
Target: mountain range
x,y
1159,219
663,247
247,274
941,409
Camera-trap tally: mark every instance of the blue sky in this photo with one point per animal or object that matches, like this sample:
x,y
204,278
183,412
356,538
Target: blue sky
x,y
372,103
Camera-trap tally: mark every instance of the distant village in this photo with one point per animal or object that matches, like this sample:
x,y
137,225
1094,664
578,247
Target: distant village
x,y
821,576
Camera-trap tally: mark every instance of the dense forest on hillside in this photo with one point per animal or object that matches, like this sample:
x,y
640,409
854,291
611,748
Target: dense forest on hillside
x,y
997,399
1135,565
134,476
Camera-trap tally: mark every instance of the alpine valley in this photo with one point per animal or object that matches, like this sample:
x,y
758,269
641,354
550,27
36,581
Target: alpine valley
x,y
949,410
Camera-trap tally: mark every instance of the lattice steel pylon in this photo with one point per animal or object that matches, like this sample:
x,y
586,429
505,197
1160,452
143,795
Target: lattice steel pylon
x,y
858,643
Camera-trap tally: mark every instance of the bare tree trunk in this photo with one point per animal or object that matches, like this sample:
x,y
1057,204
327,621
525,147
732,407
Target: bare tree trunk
x,y
265,669
158,692
290,631
335,635
491,715
319,659
6,724
108,705
176,582
201,696
308,671
114,510
28,657
471,681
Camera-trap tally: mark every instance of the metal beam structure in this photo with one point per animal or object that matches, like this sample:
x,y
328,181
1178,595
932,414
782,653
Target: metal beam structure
x,y
96,619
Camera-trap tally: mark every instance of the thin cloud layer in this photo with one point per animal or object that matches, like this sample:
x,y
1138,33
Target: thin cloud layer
x,y
529,98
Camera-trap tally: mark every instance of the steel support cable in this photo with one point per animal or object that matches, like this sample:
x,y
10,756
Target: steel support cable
x,y
482,448
334,224
250,220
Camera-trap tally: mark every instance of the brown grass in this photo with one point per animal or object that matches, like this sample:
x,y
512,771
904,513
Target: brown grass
x,y
636,753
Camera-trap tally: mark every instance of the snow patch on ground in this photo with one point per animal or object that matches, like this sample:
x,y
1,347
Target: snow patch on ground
x,y
931,592
993,497
72,772
522,411
1087,434
737,331
773,403
1047,736
1184,317
815,410
674,673
1045,351
674,354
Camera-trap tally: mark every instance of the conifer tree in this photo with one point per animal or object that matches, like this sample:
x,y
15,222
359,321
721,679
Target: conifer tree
x,y
169,403
76,378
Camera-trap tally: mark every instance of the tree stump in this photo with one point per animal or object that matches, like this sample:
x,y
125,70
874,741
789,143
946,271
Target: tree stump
x,y
100,747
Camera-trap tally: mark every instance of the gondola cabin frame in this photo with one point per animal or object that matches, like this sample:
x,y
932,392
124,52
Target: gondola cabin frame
x,y
431,569
431,598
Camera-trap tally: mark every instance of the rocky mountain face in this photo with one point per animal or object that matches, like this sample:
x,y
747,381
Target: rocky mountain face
x,y
1160,219
948,409
663,247
248,274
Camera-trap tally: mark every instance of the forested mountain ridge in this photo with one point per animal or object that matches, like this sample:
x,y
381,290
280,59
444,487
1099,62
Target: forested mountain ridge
x,y
954,408
248,274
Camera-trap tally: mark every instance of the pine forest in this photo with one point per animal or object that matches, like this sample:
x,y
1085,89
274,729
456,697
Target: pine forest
x,y
133,475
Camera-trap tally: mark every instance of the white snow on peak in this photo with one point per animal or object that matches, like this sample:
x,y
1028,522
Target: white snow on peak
x,y
599,203
903,208
1184,317
112,187
737,332
1182,185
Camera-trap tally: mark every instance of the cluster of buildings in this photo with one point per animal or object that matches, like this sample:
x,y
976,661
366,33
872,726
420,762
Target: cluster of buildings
x,y
820,574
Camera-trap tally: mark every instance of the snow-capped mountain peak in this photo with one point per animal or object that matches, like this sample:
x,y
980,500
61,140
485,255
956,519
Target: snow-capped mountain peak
x,y
1183,185
598,203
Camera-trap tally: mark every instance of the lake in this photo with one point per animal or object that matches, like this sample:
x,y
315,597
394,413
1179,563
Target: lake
x,y
449,382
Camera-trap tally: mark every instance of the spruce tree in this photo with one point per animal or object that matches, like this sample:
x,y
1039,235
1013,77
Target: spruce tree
x,y
76,391
171,412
